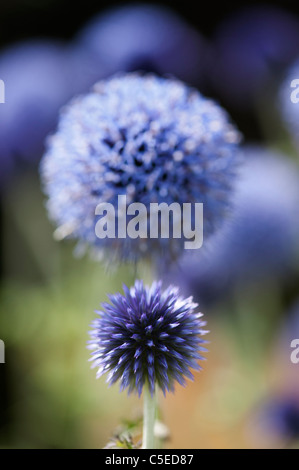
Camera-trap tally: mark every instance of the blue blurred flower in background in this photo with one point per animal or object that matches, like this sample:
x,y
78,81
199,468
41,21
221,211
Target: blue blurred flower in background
x,y
253,46
279,416
86,68
40,75
148,38
151,139
147,336
260,241
37,83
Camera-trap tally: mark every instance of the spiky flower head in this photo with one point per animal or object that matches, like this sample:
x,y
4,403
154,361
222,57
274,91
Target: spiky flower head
x,y
151,139
147,336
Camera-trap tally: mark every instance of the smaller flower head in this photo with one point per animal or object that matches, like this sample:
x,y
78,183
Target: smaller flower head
x,y
147,336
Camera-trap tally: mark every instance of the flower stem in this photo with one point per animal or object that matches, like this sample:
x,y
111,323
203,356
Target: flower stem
x,y
149,415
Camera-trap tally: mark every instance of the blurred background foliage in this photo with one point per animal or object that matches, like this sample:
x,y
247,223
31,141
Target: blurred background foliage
x,y
248,394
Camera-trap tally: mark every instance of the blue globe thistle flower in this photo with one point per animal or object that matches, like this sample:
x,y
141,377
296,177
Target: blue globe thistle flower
x,y
37,84
259,241
148,138
252,47
147,337
145,37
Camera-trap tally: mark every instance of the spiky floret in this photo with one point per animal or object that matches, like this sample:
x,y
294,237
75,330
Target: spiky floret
x,y
147,336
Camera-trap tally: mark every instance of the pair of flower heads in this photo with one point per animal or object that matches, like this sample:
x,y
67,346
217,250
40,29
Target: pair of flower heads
x,y
135,150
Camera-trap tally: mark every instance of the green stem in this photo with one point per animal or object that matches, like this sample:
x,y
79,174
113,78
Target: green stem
x,y
149,415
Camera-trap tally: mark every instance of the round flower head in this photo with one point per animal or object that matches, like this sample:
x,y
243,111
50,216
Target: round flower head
x,y
151,139
147,336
